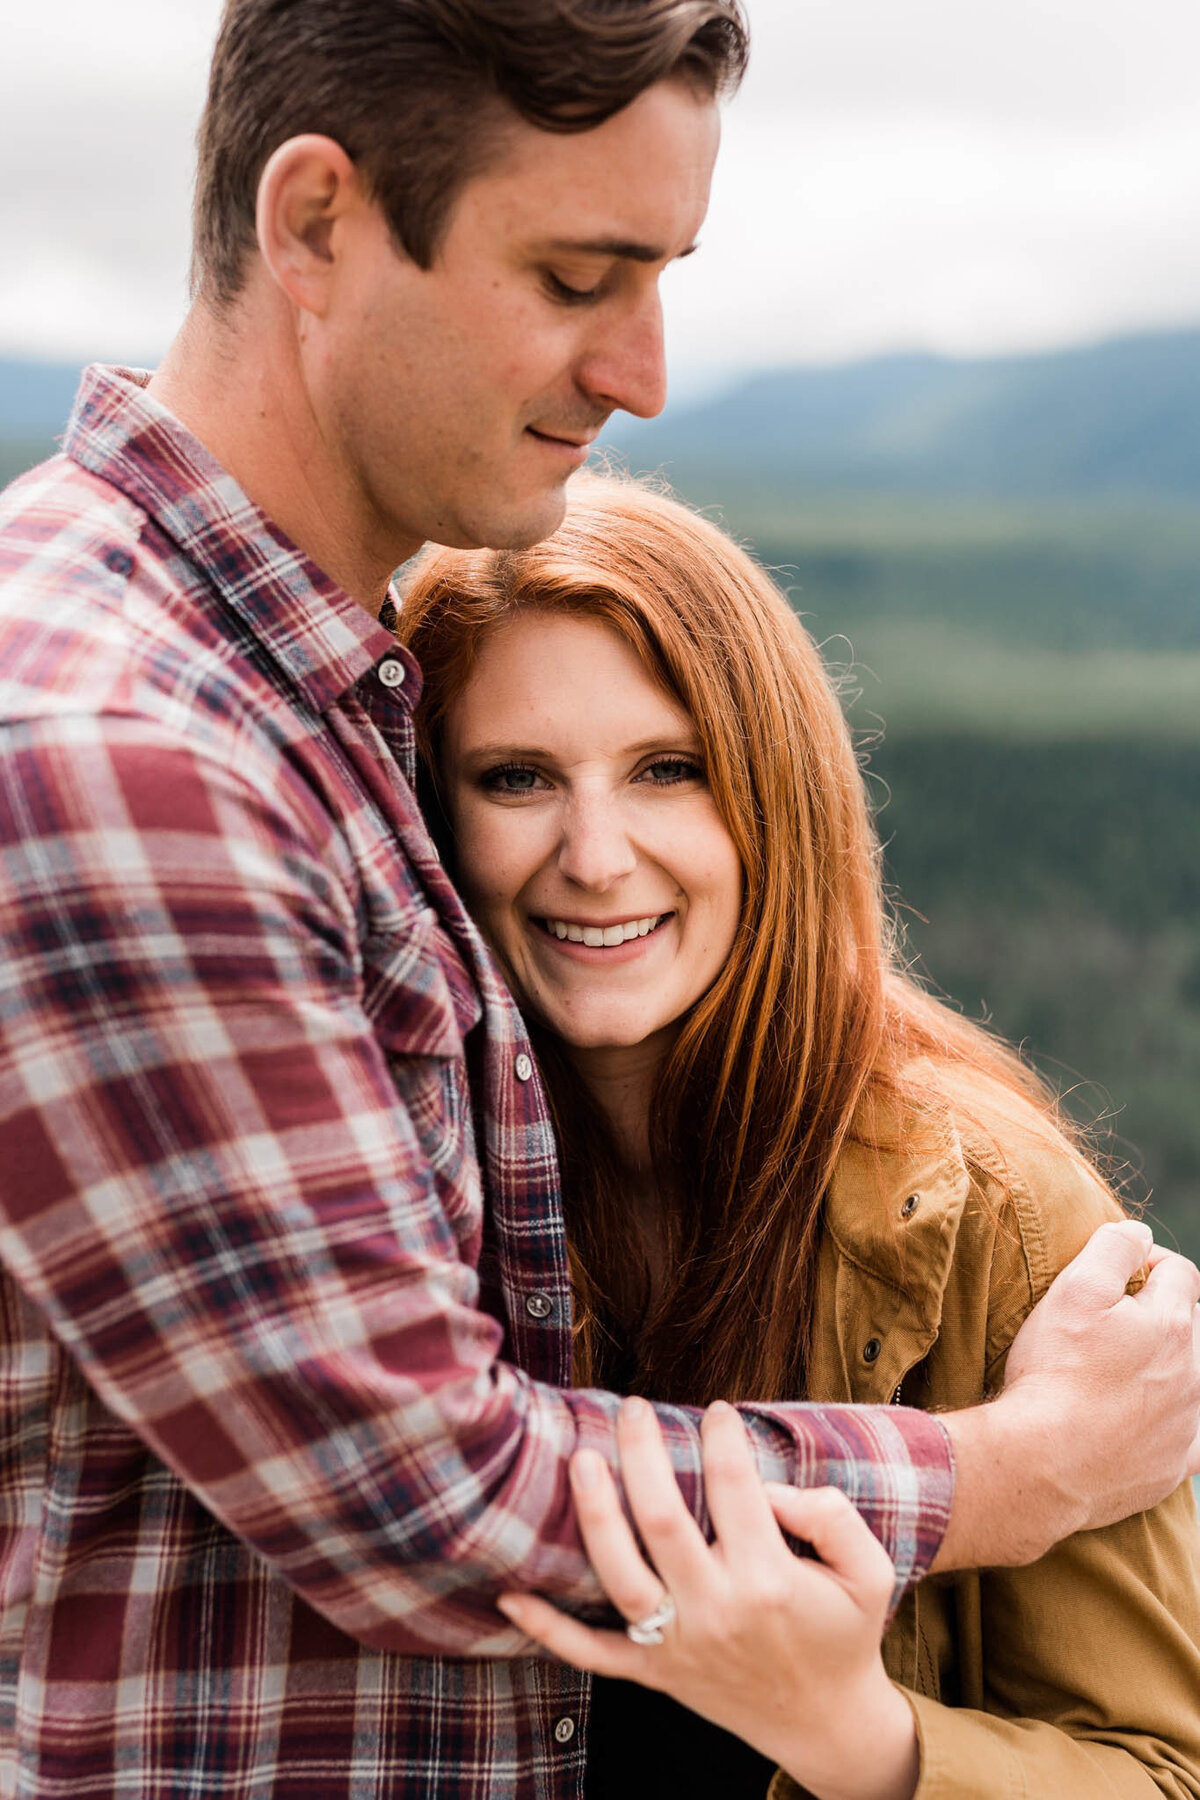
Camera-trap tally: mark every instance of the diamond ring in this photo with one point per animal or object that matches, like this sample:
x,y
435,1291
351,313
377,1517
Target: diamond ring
x,y
650,1629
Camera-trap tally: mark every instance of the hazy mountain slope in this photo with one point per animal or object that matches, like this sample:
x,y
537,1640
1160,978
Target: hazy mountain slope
x,y
1122,417
35,398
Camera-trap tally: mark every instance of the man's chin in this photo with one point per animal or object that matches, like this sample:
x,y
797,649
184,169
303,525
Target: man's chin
x,y
533,522
513,527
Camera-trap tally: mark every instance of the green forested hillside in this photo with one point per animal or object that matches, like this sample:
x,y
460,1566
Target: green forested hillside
x,y
1054,888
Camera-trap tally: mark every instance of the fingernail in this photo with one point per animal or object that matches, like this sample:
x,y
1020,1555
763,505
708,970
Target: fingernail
x,y
636,1410
585,1467
721,1409
510,1606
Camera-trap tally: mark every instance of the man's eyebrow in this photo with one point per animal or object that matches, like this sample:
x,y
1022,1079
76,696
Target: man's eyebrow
x,y
627,248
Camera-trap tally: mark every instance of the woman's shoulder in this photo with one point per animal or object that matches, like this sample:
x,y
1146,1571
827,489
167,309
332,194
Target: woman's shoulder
x,y
1016,1160
968,1200
1033,1198
1025,1169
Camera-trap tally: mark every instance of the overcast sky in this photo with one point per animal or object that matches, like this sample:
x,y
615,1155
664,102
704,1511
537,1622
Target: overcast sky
x,y
972,176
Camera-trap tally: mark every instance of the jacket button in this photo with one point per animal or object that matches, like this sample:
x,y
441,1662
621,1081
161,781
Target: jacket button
x,y
564,1731
523,1067
871,1350
910,1206
391,673
539,1306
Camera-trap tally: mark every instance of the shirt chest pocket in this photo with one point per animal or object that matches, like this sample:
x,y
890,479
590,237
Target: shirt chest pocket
x,y
421,1003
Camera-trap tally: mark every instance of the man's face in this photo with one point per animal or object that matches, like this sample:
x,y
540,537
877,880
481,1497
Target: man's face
x,y
462,397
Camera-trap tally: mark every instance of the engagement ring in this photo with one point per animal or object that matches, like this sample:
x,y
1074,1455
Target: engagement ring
x,y
650,1630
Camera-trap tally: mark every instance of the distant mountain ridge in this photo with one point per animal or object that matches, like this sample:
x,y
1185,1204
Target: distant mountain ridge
x,y
1120,418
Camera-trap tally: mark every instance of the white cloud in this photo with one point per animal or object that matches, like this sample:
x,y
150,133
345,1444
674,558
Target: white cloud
x,y
969,175
1099,63
834,237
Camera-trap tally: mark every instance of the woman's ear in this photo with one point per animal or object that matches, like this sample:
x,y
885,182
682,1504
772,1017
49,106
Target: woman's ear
x,y
306,193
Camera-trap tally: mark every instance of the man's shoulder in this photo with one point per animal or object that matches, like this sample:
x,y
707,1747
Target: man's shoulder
x,y
100,615
59,520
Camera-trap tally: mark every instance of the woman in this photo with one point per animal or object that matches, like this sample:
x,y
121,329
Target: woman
x,y
788,1172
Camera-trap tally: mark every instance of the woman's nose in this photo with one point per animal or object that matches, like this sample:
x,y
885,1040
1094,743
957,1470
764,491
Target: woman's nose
x,y
596,851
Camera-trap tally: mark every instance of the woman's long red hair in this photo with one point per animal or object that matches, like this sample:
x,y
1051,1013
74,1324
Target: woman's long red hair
x,y
812,1018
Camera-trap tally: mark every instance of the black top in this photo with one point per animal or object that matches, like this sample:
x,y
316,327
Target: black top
x,y
644,1746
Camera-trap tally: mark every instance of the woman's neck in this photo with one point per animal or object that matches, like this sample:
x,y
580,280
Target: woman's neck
x,y
621,1080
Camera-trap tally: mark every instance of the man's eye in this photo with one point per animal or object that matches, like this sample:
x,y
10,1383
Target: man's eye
x,y
513,778
570,296
669,771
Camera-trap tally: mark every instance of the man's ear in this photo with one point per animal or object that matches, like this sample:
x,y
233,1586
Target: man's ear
x,y
307,189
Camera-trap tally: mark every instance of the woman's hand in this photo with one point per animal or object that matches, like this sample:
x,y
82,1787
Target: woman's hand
x,y
781,1650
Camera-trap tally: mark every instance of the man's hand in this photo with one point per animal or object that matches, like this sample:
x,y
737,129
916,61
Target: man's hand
x,y
1100,1412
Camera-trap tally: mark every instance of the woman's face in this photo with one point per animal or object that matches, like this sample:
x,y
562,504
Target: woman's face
x,y
589,846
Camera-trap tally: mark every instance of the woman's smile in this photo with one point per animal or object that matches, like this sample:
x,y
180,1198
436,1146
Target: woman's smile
x,y
603,945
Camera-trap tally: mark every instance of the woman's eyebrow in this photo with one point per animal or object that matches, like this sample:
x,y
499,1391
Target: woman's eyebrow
x,y
675,743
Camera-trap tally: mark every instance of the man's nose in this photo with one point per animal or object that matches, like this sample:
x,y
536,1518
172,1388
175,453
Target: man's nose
x,y
596,851
626,367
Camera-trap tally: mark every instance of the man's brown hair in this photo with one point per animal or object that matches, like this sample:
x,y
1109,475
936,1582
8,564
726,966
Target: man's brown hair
x,y
415,92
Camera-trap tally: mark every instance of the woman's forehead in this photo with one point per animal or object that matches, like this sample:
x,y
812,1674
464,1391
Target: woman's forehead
x,y
568,675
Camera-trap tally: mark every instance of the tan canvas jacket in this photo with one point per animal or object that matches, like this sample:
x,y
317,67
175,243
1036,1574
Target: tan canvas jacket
x,y
1077,1678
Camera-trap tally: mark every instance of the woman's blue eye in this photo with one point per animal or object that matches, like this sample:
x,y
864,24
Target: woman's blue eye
x,y
669,770
513,779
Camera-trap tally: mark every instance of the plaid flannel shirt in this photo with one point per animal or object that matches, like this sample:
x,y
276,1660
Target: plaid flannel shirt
x,y
285,1351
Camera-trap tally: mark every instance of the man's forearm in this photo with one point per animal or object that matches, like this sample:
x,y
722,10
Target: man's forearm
x,y
1008,1507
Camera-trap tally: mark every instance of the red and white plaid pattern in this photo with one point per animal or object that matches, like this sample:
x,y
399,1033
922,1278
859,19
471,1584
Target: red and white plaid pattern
x,y
285,1353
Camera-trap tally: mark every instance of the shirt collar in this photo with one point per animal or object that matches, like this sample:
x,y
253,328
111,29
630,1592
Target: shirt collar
x,y
318,636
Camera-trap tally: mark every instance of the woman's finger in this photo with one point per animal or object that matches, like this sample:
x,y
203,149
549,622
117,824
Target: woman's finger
x,y
737,1501
673,1540
632,1586
599,1652
824,1518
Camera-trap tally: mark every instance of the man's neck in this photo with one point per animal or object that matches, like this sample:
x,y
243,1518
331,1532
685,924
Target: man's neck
x,y
239,390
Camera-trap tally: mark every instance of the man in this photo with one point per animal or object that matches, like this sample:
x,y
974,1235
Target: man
x,y
286,1306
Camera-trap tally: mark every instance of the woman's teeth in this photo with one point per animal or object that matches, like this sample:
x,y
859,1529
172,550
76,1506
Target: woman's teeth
x,y
606,937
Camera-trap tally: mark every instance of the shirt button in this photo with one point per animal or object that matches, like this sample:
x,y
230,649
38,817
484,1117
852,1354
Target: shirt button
x,y
564,1731
871,1350
539,1306
523,1067
910,1206
391,673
